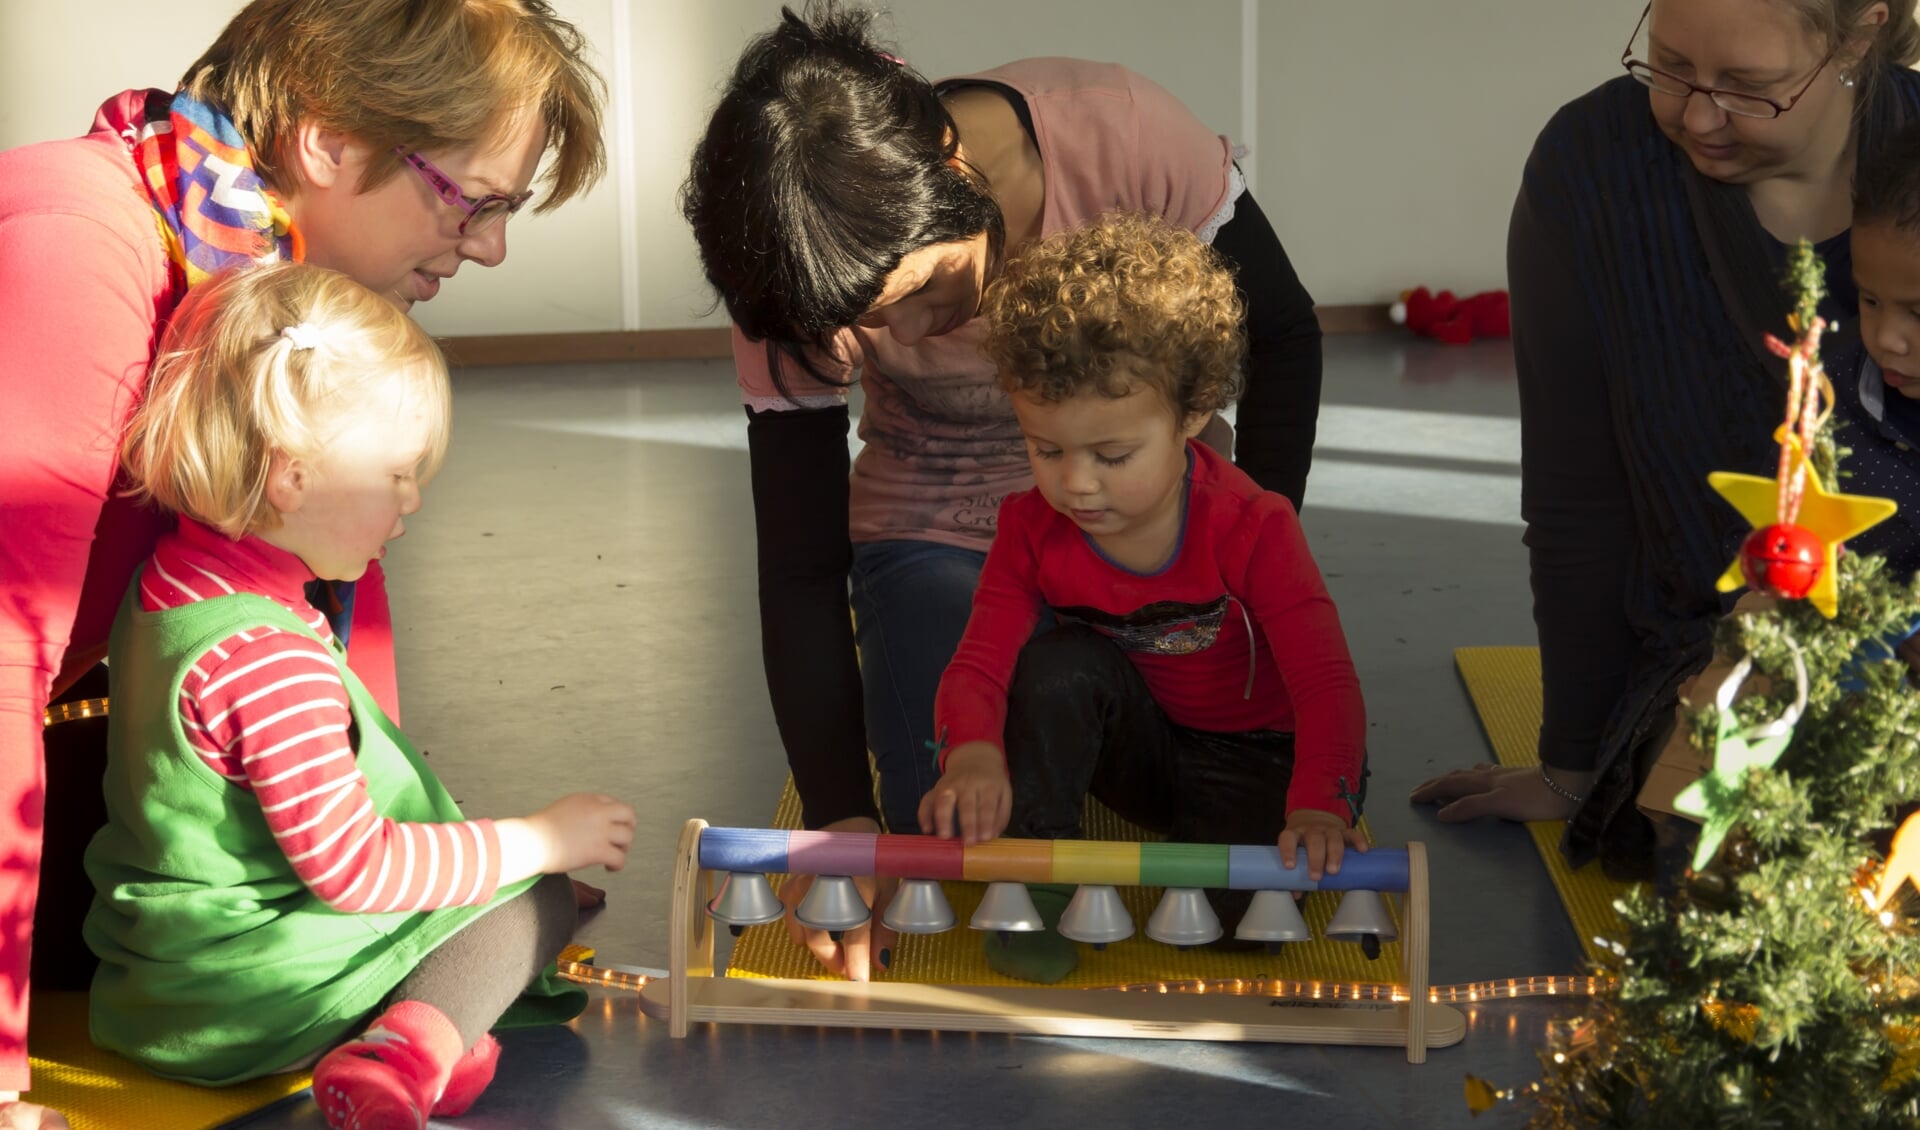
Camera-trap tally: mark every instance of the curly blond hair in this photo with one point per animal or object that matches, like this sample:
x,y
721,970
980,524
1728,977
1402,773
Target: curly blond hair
x,y
1126,298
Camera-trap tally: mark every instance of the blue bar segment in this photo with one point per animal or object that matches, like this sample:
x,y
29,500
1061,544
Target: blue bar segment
x,y
1258,868
744,849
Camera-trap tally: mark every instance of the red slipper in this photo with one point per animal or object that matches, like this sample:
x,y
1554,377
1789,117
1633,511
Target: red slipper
x,y
392,1074
471,1074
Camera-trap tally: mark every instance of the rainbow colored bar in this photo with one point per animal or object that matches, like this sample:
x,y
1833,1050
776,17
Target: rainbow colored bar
x,y
1041,861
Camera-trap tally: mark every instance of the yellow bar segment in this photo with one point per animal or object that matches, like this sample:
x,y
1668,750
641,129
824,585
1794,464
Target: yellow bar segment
x,y
1100,863
1008,861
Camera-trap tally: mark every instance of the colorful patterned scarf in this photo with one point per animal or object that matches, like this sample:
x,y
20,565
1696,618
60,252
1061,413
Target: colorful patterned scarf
x,y
212,209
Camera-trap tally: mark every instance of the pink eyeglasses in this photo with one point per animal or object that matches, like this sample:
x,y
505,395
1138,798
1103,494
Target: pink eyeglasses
x,y
482,213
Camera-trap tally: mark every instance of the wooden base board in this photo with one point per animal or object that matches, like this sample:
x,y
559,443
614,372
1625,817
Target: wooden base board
x,y
715,343
1049,1012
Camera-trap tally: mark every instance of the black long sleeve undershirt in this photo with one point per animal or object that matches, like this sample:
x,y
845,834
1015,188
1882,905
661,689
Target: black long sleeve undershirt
x,y
799,461
1281,407
1573,491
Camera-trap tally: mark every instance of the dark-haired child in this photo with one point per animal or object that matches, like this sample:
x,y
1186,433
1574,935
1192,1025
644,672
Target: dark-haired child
x,y
1198,681
1882,399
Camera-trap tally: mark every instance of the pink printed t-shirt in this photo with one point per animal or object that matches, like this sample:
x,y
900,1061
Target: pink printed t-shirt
x,y
942,447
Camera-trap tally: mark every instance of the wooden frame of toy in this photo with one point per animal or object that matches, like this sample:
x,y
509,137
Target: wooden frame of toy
x,y
708,859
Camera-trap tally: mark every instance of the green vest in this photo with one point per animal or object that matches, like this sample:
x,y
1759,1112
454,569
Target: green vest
x,y
217,964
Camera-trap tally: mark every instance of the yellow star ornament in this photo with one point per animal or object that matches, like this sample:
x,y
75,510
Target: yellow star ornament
x,y
1833,518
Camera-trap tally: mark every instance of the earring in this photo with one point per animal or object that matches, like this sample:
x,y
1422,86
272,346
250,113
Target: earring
x,y
1846,79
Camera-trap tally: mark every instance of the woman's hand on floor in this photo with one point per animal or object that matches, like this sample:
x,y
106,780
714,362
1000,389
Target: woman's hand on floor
x,y
1509,792
15,1115
858,949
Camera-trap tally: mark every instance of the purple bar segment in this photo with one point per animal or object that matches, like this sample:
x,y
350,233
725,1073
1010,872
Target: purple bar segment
x,y
831,853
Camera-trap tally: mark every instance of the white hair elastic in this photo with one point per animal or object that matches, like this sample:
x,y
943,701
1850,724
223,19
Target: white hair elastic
x,y
305,335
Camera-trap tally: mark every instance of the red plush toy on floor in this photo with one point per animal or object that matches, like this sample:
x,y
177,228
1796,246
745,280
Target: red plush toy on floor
x,y
1455,321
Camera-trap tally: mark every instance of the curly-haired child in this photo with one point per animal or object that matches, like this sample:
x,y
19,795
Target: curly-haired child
x,y
280,869
1196,680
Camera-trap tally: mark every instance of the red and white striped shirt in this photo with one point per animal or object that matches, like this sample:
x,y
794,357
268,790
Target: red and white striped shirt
x,y
267,710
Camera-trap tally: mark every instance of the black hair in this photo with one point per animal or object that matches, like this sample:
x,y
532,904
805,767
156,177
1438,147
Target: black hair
x,y
1886,186
826,162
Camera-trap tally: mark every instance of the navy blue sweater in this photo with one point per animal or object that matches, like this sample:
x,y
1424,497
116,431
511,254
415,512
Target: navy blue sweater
x,y
1638,376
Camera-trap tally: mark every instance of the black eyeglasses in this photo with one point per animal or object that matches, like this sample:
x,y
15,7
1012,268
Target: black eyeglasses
x,y
1732,101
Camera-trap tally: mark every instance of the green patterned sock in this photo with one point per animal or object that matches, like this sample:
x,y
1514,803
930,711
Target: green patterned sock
x,y
1043,957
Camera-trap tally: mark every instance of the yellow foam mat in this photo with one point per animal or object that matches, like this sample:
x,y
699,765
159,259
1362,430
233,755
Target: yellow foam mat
x,y
98,1090
1504,684
955,957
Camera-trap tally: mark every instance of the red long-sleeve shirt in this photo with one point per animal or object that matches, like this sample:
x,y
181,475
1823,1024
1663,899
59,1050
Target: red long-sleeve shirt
x,y
266,710
1242,596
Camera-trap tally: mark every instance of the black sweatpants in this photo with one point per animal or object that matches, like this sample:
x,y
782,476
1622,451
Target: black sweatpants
x,y
1081,720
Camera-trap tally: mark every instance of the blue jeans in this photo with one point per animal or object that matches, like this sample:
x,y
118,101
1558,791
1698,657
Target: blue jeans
x,y
911,600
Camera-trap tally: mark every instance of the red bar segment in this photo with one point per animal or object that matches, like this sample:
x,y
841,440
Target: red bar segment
x,y
918,857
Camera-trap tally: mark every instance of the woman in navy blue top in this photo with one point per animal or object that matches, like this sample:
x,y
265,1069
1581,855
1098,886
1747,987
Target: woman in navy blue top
x,y
1644,258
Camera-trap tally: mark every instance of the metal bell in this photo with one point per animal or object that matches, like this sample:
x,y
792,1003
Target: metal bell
x,y
1184,918
744,899
1362,917
1096,916
1009,908
919,907
1273,918
833,904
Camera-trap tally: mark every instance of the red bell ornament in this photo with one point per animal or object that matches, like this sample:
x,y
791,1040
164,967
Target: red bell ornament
x,y
1782,560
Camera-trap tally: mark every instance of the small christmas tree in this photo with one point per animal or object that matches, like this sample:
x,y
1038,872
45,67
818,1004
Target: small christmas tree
x,y
1779,985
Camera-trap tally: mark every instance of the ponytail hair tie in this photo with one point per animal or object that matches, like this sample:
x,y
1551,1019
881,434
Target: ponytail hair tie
x,y
894,59
304,335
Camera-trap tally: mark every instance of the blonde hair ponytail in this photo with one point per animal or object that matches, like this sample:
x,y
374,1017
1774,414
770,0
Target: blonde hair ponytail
x,y
255,361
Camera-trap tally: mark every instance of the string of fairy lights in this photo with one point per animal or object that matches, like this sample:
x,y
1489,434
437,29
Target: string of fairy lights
x,y
1376,991
1342,992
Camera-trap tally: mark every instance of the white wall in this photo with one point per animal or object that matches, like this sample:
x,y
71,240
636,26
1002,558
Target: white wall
x,y
1387,141
1392,133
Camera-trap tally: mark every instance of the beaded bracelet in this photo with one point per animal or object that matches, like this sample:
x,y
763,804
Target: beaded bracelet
x,y
1558,791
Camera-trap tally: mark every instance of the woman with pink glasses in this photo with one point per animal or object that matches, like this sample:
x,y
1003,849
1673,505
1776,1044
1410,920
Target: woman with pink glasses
x,y
1644,258
363,137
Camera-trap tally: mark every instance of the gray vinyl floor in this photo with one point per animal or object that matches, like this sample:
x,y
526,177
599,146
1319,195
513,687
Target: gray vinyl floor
x,y
576,611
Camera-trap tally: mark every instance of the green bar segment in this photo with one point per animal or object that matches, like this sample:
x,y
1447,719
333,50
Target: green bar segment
x,y
1183,865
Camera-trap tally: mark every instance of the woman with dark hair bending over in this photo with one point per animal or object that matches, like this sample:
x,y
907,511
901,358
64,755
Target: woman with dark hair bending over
x,y
849,212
